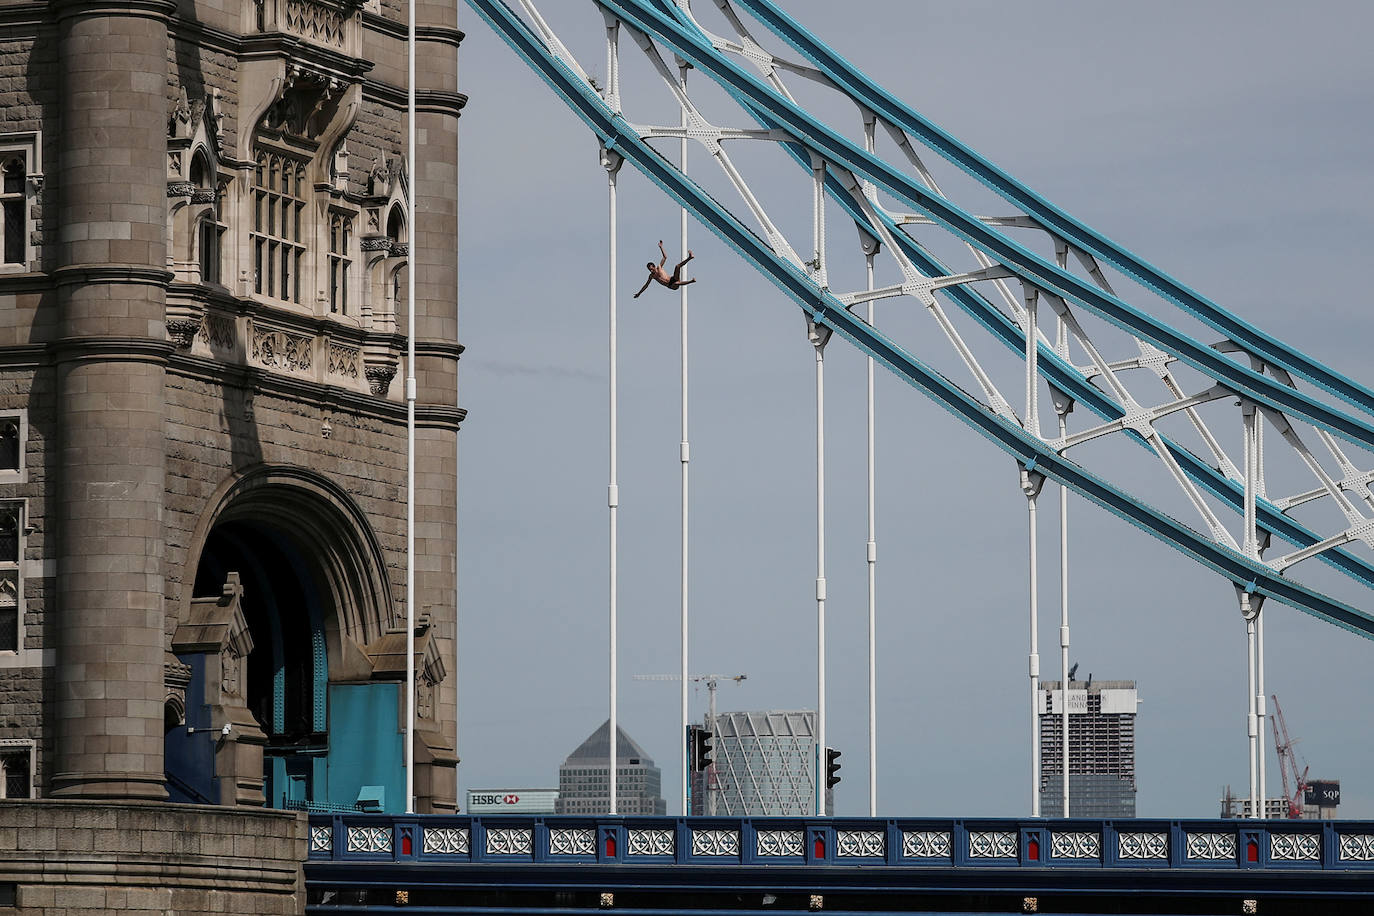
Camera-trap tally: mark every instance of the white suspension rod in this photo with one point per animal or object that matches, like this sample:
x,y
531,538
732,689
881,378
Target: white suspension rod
x,y
1063,405
1252,719
612,162
1031,489
1064,617
684,457
872,546
1254,476
1250,548
414,248
1030,485
1260,708
820,335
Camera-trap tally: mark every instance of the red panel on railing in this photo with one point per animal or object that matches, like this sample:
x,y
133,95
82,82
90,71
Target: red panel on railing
x,y
610,845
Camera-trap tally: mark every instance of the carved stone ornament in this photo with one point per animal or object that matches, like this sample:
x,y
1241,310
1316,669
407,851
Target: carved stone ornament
x,y
183,331
277,349
180,189
217,332
229,672
376,243
379,379
343,360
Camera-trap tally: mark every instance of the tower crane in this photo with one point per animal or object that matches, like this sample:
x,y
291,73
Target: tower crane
x,y
1288,760
712,681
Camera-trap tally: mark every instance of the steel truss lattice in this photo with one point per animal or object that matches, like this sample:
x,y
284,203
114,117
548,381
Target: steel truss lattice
x,y
989,283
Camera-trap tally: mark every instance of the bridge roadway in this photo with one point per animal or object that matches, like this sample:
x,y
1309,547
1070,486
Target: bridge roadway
x,y
372,863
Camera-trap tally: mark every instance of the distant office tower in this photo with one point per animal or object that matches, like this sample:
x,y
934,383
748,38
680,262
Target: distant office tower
x,y
584,781
763,765
1101,748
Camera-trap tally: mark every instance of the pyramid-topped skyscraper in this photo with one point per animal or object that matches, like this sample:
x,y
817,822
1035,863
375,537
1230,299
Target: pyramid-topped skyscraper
x,y
584,777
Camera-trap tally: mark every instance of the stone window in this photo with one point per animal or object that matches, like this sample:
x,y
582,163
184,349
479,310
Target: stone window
x,y
278,234
12,206
340,261
20,178
209,230
11,616
16,768
14,428
11,444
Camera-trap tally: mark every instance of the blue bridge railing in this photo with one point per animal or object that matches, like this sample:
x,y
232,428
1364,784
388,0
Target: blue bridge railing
x,y
966,843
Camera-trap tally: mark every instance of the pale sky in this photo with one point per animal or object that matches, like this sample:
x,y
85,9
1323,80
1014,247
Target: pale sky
x,y
1228,143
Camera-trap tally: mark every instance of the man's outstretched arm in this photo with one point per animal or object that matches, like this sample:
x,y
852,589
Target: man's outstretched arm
x,y
664,259
644,287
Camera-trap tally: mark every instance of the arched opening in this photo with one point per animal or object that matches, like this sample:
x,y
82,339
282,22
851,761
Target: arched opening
x,y
289,580
207,232
396,226
288,668
200,170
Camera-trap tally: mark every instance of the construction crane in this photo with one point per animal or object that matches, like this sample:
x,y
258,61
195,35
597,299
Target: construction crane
x,y
712,681
1288,760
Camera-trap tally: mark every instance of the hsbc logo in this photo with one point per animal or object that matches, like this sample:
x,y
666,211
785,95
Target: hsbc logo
x,y
494,799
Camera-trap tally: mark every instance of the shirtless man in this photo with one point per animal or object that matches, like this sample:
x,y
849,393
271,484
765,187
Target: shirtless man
x,y
656,272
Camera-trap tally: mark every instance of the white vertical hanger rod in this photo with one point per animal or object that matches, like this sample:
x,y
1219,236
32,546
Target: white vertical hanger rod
x,y
1064,615
612,161
684,455
413,174
1261,707
819,347
1063,406
1030,485
819,337
872,545
1250,610
613,489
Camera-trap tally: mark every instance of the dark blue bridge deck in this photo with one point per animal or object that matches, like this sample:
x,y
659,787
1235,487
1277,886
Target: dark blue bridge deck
x,y
475,865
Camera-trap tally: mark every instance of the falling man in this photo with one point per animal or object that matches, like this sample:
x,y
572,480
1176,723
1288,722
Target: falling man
x,y
656,272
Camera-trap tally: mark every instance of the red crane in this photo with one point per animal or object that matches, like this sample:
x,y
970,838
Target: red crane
x,y
1288,761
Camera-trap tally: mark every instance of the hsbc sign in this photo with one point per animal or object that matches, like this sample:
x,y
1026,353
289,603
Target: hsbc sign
x,y
508,799
511,801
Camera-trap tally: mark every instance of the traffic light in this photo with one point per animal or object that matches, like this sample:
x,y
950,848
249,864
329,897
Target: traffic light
x,y
832,766
701,753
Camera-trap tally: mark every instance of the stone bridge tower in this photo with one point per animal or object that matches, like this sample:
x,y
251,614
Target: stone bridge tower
x,y
202,278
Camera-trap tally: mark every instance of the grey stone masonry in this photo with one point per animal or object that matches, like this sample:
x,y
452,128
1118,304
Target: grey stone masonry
x,y
186,407
110,362
77,857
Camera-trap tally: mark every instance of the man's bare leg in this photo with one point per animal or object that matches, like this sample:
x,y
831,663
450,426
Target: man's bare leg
x,y
677,271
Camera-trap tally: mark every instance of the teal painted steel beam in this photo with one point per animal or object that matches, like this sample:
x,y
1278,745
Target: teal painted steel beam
x,y
868,93
618,135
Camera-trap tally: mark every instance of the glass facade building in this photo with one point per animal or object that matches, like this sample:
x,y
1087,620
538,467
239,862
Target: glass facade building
x,y
764,765
584,780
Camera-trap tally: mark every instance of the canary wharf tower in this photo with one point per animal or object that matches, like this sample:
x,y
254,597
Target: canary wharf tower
x,y
203,439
